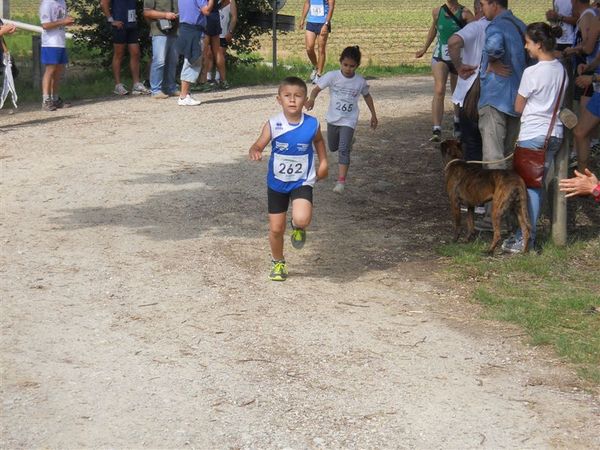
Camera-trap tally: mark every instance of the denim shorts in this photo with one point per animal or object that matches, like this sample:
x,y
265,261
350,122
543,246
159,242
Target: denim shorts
x,y
191,70
54,55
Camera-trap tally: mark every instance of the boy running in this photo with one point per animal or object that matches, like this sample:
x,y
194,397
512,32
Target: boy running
x,y
293,171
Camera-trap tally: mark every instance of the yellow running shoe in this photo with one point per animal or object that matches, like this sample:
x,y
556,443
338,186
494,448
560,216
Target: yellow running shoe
x,y
298,237
278,271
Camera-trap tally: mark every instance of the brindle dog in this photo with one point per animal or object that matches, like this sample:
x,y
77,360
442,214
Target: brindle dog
x,y
472,185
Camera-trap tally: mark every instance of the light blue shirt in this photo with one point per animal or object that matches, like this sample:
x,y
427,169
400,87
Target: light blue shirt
x,y
502,42
189,12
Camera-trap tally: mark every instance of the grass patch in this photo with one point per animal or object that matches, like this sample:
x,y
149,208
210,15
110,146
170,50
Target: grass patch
x,y
554,295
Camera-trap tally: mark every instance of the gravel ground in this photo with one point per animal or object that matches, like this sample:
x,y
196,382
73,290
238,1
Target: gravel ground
x,y
136,310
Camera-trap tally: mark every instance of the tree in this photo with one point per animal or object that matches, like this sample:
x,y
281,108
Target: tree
x,y
95,32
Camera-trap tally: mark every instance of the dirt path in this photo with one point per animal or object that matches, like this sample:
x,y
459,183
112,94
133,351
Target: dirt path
x,y
137,313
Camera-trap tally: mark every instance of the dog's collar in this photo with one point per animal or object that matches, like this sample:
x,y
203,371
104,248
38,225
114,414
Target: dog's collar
x,y
450,162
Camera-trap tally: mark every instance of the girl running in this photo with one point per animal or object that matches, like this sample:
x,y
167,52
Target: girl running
x,y
342,116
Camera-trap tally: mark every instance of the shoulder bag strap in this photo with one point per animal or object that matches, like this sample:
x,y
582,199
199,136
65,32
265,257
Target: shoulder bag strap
x,y
460,23
556,107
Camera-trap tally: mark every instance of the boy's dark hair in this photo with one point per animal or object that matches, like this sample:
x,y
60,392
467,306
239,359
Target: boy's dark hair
x,y
353,53
293,81
544,34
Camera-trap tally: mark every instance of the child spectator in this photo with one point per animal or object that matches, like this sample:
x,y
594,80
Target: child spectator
x,y
342,115
54,19
292,171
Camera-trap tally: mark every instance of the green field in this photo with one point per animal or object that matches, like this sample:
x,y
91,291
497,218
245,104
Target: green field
x,y
388,31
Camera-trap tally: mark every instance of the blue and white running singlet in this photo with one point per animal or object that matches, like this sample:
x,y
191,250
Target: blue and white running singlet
x,y
292,154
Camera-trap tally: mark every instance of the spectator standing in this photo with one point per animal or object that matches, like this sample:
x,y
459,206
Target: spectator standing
x,y
8,85
122,16
465,48
229,17
537,98
317,15
163,29
54,19
589,116
211,46
502,65
562,15
192,23
447,20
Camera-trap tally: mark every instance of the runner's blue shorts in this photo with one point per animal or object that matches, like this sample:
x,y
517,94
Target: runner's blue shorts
x,y
314,27
54,55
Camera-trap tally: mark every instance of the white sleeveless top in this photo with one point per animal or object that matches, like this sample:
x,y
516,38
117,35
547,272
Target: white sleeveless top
x,y
225,16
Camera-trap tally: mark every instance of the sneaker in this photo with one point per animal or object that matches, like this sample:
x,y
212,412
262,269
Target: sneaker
x,y
224,85
60,103
160,95
313,74
456,131
205,87
120,89
436,135
339,187
139,89
278,271
316,79
188,101
298,237
479,210
513,245
48,105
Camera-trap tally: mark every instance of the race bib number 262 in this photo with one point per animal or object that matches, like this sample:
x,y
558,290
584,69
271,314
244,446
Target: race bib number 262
x,y
290,168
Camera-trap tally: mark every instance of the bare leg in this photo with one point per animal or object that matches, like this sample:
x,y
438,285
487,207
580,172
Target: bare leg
x,y
207,60
322,38
301,213
134,62
219,57
47,80
440,77
310,39
119,52
587,124
343,170
276,231
55,81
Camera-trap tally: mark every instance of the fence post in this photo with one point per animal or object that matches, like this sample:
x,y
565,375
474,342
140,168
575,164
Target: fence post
x,y
36,67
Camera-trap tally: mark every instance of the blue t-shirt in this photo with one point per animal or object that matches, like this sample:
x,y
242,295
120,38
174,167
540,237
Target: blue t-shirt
x,y
317,11
124,11
292,154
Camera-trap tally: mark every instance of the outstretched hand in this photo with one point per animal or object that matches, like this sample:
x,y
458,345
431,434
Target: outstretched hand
x,y
580,184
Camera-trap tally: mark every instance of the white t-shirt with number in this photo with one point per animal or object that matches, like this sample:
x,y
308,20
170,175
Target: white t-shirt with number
x,y
51,11
540,85
343,98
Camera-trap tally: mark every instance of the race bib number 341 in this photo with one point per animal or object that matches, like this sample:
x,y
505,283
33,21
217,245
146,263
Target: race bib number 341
x,y
290,168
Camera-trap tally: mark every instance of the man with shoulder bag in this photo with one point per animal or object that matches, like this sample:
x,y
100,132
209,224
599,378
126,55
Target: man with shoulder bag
x,y
163,15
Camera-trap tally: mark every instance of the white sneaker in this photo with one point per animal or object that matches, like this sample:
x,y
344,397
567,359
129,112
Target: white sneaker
x,y
339,187
313,74
188,101
480,210
316,79
120,89
139,89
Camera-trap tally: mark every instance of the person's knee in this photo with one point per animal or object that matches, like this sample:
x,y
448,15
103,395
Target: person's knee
x,y
277,228
134,51
119,52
